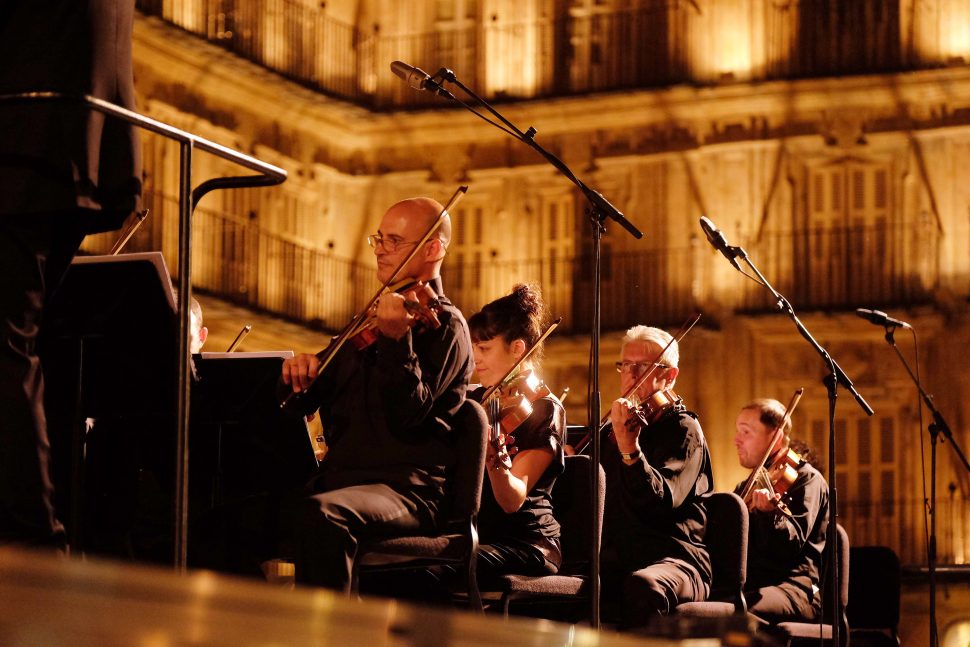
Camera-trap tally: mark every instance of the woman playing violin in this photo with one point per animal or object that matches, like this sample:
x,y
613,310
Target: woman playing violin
x,y
784,550
519,533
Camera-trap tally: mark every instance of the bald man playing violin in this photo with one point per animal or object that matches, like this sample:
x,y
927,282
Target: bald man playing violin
x,y
386,411
784,550
653,551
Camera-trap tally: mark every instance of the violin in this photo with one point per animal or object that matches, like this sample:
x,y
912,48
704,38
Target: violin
x,y
508,403
779,472
516,398
424,307
296,403
656,406
420,301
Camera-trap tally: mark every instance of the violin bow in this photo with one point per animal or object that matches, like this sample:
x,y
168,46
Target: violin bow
x,y
515,367
360,318
752,478
241,336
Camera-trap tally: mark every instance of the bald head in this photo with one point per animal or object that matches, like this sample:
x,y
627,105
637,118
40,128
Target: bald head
x,y
407,221
420,213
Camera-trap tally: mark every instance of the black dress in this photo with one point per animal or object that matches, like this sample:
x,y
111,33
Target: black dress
x,y
525,542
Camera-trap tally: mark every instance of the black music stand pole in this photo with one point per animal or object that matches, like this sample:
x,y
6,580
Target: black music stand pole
x,y
599,210
835,377
937,427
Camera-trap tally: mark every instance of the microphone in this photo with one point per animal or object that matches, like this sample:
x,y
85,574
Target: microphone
x,y
880,318
717,240
417,78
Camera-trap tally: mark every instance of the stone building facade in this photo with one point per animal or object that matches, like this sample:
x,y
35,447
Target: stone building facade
x,y
831,140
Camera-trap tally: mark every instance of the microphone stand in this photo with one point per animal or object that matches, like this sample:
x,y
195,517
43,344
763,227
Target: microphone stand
x,y
598,210
835,377
936,427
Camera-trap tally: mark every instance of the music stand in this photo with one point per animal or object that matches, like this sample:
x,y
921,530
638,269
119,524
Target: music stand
x,y
242,443
107,348
248,456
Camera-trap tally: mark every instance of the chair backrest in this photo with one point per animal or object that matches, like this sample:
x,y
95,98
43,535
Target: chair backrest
x,y
874,588
574,509
844,554
727,519
464,488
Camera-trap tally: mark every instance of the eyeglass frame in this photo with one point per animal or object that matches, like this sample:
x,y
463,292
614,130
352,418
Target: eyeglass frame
x,y
390,246
646,366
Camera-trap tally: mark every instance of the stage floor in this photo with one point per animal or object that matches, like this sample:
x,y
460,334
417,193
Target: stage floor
x,y
54,601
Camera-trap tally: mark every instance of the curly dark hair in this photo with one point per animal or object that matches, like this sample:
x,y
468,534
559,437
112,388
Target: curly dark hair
x,y
518,315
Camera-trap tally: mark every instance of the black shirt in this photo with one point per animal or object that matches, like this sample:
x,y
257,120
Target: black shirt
x,y
387,410
59,156
541,430
783,549
653,510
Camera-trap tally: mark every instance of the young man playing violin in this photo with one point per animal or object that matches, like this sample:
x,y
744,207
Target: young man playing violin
x,y
386,411
657,466
784,550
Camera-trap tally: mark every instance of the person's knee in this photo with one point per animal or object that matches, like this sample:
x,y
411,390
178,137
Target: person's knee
x,y
322,515
644,596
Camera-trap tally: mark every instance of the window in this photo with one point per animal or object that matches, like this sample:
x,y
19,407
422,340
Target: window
x,y
845,247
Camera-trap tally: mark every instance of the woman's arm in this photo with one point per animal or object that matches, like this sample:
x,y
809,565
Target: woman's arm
x,y
511,486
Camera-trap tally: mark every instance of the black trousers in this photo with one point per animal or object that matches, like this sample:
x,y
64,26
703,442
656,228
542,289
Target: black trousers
x,y
435,583
35,250
329,527
637,598
783,603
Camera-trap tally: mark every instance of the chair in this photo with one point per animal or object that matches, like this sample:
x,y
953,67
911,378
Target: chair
x,y
458,541
807,633
874,589
574,509
727,516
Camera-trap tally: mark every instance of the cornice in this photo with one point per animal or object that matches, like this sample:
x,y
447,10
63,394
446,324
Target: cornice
x,y
200,78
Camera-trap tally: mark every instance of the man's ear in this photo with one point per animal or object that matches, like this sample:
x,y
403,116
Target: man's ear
x,y
203,335
436,250
672,374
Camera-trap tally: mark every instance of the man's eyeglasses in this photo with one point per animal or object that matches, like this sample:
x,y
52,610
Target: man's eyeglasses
x,y
389,243
637,368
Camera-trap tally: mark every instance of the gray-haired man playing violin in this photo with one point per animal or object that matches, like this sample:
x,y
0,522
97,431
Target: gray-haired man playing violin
x,y
386,411
657,466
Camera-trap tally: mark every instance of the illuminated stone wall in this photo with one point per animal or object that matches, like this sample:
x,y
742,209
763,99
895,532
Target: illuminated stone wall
x,y
847,192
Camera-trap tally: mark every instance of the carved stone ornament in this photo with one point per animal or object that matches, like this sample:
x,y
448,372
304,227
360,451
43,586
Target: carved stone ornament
x,y
843,128
449,163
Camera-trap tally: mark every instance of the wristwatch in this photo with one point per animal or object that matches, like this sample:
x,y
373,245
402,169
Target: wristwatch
x,y
635,454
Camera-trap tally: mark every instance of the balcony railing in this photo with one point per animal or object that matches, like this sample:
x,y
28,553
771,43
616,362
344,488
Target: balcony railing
x,y
571,52
840,267
833,269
